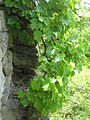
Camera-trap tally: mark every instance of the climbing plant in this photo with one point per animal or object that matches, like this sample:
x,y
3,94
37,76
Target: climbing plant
x,y
55,25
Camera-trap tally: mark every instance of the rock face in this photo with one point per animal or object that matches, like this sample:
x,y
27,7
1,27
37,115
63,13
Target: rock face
x,y
23,70
17,67
5,63
16,70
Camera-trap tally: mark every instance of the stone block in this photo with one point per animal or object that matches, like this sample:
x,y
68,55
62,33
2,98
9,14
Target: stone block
x,y
3,27
0,40
4,41
1,1
7,64
1,54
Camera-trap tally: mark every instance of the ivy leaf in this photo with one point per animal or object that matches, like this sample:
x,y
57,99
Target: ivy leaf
x,y
29,96
26,2
45,111
46,21
34,23
37,35
8,3
11,21
40,19
46,87
21,94
39,9
59,57
35,85
39,105
24,102
49,50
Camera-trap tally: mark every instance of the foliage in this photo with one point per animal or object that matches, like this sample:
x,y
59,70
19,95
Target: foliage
x,y
85,33
77,106
18,14
61,49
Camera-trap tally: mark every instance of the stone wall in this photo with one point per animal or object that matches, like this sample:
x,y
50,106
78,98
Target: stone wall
x,y
17,68
17,64
5,62
23,59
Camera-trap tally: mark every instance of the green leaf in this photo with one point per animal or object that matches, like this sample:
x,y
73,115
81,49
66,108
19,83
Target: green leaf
x,y
8,3
37,35
34,23
60,82
46,87
49,50
28,96
21,94
35,85
59,57
79,67
45,111
59,79
11,21
65,20
38,105
24,102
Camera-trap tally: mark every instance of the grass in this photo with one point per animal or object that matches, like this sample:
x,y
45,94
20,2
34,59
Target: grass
x,y
78,105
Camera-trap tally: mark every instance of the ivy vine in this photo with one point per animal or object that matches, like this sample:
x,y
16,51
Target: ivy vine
x,y
55,27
